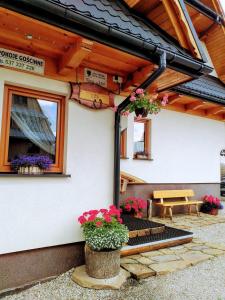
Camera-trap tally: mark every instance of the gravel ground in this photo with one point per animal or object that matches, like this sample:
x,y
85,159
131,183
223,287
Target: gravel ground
x,y
205,281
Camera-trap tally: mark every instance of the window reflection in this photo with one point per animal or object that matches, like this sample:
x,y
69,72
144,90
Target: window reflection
x,y
33,125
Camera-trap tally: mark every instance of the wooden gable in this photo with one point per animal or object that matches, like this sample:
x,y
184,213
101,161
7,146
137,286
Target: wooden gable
x,y
171,17
212,34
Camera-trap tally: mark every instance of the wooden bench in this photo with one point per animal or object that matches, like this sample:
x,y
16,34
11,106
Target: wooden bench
x,y
173,195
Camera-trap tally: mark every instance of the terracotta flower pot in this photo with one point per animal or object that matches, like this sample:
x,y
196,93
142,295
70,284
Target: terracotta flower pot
x,y
214,211
141,111
102,264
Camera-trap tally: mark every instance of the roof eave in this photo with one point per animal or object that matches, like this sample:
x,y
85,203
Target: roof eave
x,y
62,17
190,92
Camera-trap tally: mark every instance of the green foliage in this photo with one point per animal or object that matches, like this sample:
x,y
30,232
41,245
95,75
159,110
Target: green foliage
x,y
111,235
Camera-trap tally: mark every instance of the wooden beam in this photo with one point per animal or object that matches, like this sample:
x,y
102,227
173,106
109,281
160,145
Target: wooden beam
x,y
173,99
132,3
204,33
74,56
181,26
216,110
35,45
194,106
137,77
196,17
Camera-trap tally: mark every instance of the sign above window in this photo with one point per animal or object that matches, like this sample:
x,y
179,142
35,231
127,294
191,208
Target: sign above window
x,y
17,60
95,77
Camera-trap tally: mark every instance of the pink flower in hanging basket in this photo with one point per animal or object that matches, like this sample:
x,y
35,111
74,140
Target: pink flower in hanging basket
x,y
132,98
139,91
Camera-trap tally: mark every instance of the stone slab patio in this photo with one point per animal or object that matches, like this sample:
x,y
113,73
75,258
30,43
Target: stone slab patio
x,y
188,222
164,261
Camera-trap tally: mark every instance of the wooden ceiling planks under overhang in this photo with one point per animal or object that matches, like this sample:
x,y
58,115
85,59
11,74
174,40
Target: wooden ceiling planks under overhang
x,y
194,106
169,16
212,34
66,54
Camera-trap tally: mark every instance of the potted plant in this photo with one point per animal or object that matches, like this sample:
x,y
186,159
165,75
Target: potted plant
x,y
104,234
143,103
133,206
211,205
31,164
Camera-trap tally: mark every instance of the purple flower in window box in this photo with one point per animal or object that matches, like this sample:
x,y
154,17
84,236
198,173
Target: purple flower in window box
x,y
31,164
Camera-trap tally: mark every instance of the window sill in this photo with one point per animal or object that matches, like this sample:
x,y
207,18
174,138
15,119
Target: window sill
x,y
149,159
55,175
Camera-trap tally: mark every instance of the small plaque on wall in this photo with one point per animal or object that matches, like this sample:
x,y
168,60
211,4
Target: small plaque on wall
x,y
20,61
92,95
95,77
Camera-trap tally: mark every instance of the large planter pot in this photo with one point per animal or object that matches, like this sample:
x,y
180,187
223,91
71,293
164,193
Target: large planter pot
x,y
214,211
32,170
102,264
141,111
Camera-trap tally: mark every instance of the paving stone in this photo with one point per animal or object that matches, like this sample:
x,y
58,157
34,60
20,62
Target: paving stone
x,y
214,252
177,247
144,260
83,279
167,251
181,251
216,246
195,258
150,253
139,271
199,247
197,241
189,246
135,256
165,258
168,267
125,260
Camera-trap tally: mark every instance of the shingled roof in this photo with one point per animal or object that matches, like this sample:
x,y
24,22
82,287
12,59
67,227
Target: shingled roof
x,y
116,15
111,22
205,87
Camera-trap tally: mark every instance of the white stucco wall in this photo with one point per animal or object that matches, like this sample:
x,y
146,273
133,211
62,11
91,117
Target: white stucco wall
x,y
185,149
41,212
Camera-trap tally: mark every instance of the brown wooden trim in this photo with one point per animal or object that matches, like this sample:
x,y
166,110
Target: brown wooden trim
x,y
147,143
57,167
123,144
155,247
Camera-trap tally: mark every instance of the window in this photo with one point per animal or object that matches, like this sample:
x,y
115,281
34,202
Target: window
x,y
142,139
33,123
123,143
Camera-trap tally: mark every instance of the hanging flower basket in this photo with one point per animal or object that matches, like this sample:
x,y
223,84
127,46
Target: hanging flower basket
x,y
141,112
143,103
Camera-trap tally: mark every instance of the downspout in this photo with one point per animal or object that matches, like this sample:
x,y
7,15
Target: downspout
x,y
121,107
